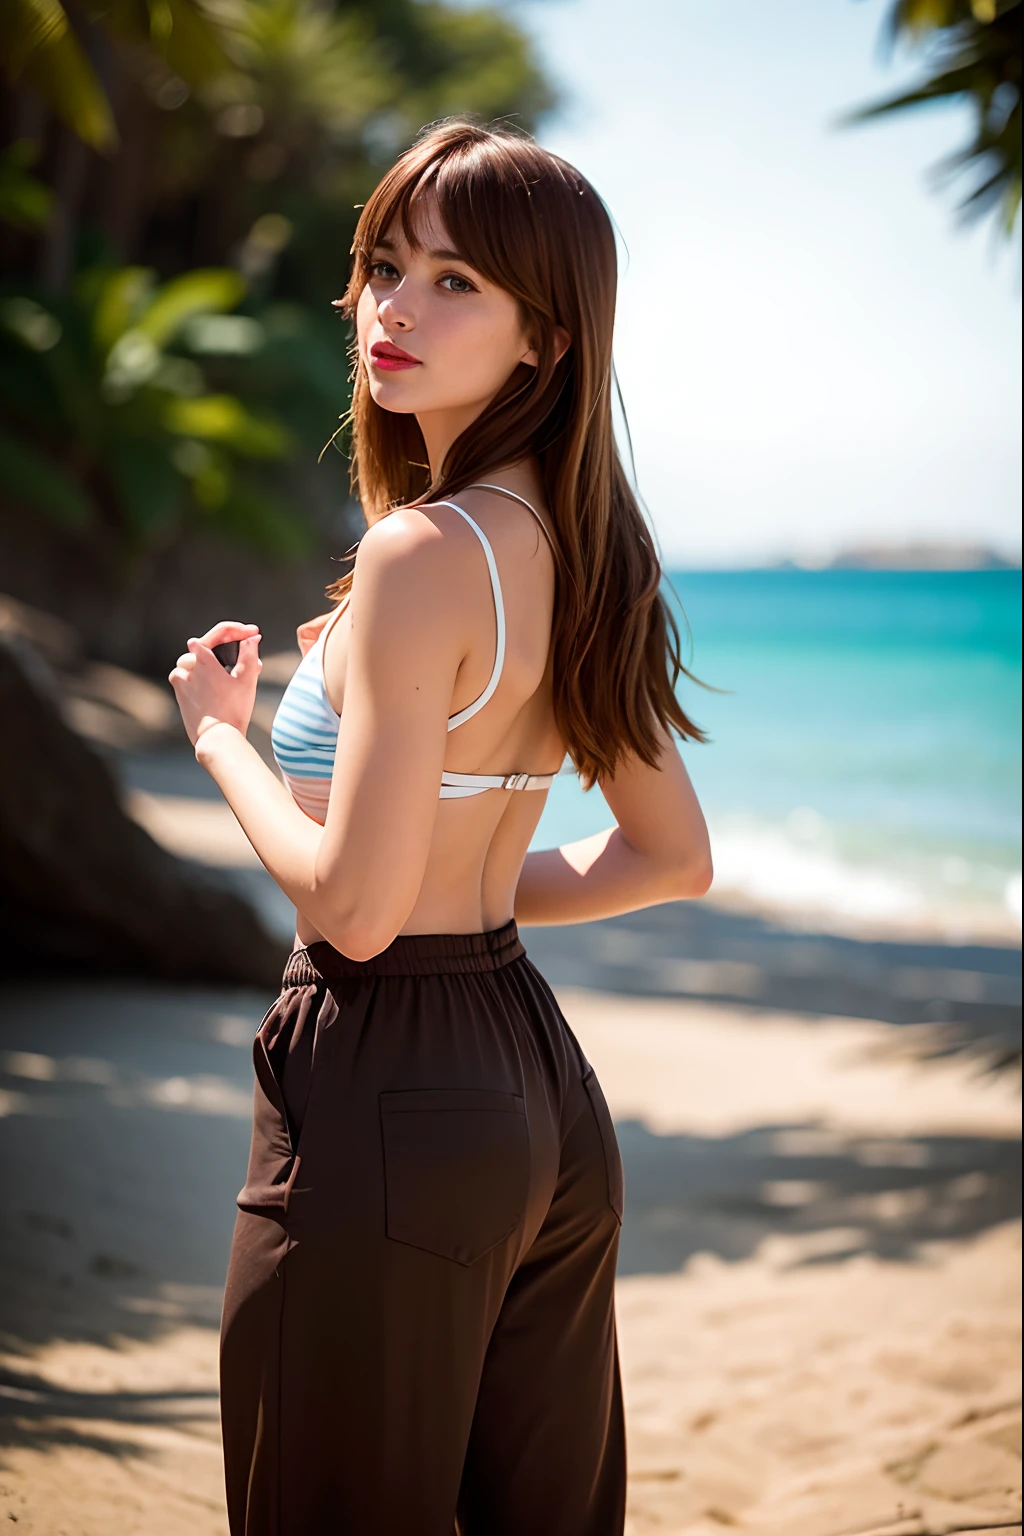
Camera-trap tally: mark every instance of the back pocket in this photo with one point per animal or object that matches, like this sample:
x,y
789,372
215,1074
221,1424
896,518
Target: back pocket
x,y
456,1168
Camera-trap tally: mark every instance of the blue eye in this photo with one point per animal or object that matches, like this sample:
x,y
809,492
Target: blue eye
x,y
455,277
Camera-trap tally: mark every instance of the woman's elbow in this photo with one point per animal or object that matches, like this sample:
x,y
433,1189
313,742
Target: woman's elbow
x,y
701,874
691,875
357,934
357,922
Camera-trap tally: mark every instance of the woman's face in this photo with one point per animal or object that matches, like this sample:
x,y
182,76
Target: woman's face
x,y
464,332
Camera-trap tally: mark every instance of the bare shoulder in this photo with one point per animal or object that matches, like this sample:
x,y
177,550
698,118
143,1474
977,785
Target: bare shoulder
x,y
431,547
403,550
430,540
430,528
413,568
400,535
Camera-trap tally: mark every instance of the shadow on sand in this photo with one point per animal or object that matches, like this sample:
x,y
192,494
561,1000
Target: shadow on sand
x,y
831,1196
124,1128
968,994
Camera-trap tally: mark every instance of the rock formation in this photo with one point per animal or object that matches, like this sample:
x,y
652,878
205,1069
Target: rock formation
x,y
83,888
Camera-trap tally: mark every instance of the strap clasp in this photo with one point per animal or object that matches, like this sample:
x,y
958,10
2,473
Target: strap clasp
x,y
515,781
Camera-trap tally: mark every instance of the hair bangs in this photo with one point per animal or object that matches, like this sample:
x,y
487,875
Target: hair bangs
x,y
482,196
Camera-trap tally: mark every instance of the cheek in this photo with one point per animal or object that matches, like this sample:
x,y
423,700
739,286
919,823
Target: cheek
x,y
366,314
482,343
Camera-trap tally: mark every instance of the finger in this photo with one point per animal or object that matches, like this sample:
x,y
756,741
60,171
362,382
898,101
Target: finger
x,y
248,657
202,655
186,661
227,629
204,647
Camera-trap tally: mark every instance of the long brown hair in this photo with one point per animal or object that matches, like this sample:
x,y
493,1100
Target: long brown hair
x,y
530,223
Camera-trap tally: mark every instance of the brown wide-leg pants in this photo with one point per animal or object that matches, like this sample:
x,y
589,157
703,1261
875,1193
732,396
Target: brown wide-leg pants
x,y
418,1335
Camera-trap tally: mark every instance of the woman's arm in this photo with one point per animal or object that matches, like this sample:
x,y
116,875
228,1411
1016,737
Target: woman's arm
x,y
658,851
285,838
357,878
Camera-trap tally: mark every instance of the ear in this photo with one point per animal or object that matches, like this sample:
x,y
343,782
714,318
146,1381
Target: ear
x,y
562,343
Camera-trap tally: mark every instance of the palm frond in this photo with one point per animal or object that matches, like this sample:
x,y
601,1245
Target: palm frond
x,y
975,49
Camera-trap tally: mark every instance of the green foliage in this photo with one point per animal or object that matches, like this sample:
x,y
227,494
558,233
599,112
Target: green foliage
x,y
41,49
974,49
35,479
25,202
116,417
194,364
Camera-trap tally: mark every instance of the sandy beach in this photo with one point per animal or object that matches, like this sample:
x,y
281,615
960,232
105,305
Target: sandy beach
x,y
819,1281
819,1286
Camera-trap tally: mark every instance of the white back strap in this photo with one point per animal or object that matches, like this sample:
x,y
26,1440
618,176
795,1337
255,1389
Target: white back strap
x,y
458,784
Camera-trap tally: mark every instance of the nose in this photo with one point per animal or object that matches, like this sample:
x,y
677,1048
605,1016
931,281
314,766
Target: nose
x,y
394,311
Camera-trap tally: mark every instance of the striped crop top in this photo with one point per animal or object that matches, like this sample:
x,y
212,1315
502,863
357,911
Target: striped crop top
x,y
304,734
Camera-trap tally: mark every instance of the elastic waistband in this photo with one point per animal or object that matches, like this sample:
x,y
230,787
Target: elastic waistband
x,y
410,954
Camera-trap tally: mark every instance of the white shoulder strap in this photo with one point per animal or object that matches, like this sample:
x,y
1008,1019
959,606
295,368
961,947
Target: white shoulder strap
x,y
499,614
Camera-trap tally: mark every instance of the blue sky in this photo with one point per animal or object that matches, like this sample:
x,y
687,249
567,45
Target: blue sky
x,y
811,353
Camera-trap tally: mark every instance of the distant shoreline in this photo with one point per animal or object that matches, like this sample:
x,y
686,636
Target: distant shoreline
x,y
915,557
903,559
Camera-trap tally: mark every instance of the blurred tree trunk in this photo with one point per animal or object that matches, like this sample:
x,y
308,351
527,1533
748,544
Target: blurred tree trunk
x,y
123,195
70,176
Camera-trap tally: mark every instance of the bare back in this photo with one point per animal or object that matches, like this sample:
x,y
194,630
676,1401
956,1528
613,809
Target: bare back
x,y
479,843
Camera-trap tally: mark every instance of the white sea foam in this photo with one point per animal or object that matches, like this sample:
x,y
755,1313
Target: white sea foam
x,y
784,867
797,866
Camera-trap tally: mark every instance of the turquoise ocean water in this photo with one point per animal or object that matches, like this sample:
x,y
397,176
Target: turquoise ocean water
x,y
866,761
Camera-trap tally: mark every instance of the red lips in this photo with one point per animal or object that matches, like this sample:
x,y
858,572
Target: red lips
x,y
387,350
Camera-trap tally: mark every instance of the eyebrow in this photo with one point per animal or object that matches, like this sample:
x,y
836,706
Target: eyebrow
x,y
442,253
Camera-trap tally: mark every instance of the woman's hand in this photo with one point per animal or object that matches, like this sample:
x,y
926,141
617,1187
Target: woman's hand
x,y
207,692
307,633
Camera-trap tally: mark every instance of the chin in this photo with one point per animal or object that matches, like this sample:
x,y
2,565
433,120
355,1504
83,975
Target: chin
x,y
390,399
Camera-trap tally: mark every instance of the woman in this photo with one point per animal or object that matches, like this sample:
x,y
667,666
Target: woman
x,y
418,1330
